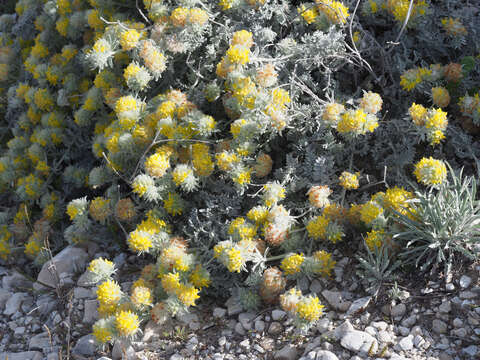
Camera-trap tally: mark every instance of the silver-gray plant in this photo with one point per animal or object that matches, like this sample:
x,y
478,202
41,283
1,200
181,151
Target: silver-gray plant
x,y
445,223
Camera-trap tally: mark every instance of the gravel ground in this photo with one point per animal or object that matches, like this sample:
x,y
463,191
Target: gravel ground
x,y
435,321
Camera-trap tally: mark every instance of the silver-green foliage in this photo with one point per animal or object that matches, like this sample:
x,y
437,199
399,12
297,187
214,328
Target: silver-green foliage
x,y
378,267
445,223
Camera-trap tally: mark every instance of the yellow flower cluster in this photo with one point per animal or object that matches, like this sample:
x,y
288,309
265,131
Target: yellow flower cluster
x,y
129,39
336,12
430,171
332,113
127,323
348,180
375,239
399,9
309,309
440,96
292,264
5,237
370,212
330,10
397,199
453,27
356,122
237,54
306,309
323,263
100,209
140,241
239,229
325,227
411,78
433,121
157,164
109,293
201,159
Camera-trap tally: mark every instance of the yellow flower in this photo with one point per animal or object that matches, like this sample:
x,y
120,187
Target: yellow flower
x,y
139,241
453,27
430,171
308,14
101,332
352,121
199,277
370,211
335,11
32,248
259,214
44,100
290,299
109,293
317,227
202,161
5,249
141,296
166,109
323,263
242,177
179,16
97,265
238,54
125,104
226,4
440,96
171,283
396,198
235,260
292,264
371,102
157,164
62,26
309,308
131,71
437,119
188,294
126,323
242,37
375,239
417,113
198,16
174,257
173,204
348,180
100,209
410,79
129,39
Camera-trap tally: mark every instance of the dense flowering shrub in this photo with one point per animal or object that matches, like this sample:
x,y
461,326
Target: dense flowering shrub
x,y
232,145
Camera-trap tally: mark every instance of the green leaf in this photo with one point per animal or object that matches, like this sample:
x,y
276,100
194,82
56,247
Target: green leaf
x,y
468,64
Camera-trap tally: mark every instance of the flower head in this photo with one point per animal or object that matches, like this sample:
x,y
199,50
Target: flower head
x,y
430,171
126,323
129,39
309,308
292,264
348,180
109,292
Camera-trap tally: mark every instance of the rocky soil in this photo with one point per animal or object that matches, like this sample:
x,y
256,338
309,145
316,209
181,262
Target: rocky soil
x,y
51,318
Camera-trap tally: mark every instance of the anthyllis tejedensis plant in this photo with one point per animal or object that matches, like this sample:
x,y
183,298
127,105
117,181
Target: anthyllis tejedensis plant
x,y
163,290
237,135
443,223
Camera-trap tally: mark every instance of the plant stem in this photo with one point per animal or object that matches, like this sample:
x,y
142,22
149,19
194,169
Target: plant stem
x,y
278,257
